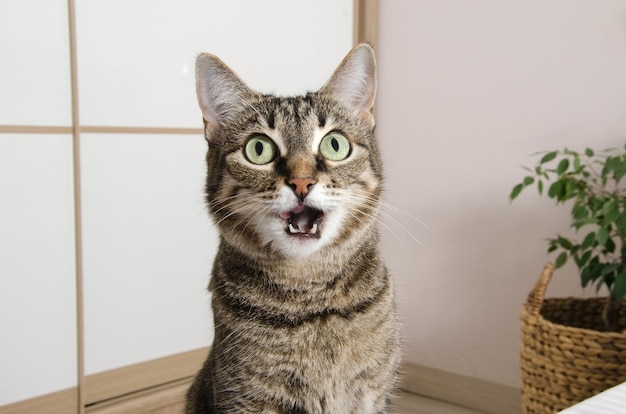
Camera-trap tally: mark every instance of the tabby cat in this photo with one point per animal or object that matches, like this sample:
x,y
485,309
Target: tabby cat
x,y
304,312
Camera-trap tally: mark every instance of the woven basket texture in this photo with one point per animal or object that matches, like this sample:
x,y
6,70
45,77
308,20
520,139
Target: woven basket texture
x,y
565,356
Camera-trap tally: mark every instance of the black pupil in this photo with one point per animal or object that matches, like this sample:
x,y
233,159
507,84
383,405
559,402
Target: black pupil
x,y
335,144
258,147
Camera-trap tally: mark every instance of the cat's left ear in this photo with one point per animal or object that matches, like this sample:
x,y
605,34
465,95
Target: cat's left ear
x,y
354,82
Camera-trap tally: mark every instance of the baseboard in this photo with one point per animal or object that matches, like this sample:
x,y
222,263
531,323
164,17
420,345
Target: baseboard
x,y
475,393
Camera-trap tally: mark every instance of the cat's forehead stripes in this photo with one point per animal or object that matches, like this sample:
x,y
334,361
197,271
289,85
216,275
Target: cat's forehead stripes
x,y
290,119
294,108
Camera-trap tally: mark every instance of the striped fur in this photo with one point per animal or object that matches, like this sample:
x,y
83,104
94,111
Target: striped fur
x,y
303,305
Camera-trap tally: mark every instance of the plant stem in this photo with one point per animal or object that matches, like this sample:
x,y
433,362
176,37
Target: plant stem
x,y
611,313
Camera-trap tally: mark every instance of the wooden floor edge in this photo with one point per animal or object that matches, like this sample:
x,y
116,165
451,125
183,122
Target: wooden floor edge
x,y
144,375
59,402
475,393
454,388
167,398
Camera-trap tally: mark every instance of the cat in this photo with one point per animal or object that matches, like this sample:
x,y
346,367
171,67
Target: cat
x,y
305,319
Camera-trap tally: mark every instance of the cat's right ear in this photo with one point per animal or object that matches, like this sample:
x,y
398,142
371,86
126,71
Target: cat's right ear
x,y
354,82
219,91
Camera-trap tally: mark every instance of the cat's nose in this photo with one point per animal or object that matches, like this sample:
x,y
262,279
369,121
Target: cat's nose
x,y
301,186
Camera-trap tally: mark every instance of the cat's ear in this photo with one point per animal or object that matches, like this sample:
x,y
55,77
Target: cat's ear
x,y
354,82
220,91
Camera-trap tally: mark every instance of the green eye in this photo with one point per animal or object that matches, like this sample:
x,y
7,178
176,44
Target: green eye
x,y
335,147
260,150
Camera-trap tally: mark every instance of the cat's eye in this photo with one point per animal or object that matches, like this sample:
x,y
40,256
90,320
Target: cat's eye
x,y
335,147
260,150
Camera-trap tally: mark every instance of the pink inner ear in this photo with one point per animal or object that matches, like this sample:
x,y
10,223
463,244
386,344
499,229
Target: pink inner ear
x,y
368,117
354,81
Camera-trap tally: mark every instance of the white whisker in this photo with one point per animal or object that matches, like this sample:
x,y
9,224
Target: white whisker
x,y
373,216
404,213
360,202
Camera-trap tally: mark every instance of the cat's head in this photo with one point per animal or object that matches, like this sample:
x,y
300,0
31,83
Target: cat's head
x,y
292,175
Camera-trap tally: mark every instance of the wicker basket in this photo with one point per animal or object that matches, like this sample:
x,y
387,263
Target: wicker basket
x,y
565,358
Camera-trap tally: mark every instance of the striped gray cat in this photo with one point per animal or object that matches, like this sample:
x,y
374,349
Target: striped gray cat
x,y
304,312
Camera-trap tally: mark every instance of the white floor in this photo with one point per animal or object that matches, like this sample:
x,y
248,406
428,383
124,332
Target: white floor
x,y
414,404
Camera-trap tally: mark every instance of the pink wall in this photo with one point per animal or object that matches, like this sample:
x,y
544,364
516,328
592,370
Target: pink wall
x,y
467,92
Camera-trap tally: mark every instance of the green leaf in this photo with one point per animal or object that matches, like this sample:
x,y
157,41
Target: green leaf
x,y
578,167
560,260
584,221
565,243
570,187
611,164
579,211
563,166
589,240
609,246
528,180
619,287
585,277
540,187
555,189
603,236
516,190
548,157
589,152
620,168
608,205
611,216
609,269
584,258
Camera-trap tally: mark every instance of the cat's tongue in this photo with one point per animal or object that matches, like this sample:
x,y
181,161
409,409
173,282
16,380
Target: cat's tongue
x,y
296,210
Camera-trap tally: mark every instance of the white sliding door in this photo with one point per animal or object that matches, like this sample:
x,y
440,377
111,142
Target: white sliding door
x,y
37,275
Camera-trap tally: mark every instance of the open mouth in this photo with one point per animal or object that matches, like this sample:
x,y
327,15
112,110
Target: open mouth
x,y
303,221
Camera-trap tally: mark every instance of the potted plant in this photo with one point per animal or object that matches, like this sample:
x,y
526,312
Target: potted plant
x,y
593,181
573,348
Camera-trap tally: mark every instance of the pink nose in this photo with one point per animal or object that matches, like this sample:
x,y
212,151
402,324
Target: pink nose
x,y
301,186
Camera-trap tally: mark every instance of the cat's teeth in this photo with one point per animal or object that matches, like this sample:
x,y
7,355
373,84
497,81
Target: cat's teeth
x,y
292,229
314,228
